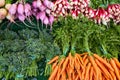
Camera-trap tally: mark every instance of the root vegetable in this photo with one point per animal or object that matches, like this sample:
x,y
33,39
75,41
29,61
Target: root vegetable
x,y
2,3
3,13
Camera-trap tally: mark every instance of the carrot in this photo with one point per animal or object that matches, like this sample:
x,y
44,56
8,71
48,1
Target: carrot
x,y
71,59
117,62
115,68
53,74
79,57
83,54
53,60
63,75
84,57
68,73
61,62
113,75
86,62
102,67
65,64
83,74
103,61
80,65
54,65
87,71
77,77
91,73
94,66
79,73
58,73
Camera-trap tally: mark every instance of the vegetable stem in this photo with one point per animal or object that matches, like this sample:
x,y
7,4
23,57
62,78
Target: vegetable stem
x,y
86,45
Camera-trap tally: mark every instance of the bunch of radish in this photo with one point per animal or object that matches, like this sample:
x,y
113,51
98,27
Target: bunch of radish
x,y
78,6
99,15
114,11
61,8
42,11
20,10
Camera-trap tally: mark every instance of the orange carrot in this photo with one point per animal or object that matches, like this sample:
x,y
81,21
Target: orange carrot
x,y
79,73
68,72
91,73
53,60
71,60
58,73
83,74
83,54
63,75
54,65
86,62
77,77
117,62
102,67
113,75
84,57
103,61
53,74
87,71
65,64
79,58
61,62
115,68
94,66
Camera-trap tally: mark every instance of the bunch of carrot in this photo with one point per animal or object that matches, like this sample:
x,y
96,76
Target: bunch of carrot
x,y
84,67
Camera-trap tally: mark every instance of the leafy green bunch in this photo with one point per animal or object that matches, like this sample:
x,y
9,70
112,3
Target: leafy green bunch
x,y
82,35
22,51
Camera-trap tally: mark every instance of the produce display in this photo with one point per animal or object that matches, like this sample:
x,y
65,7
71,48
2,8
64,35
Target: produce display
x,y
60,39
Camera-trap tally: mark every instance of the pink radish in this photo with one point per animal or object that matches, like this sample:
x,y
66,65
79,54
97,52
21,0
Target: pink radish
x,y
42,15
51,20
13,9
21,17
34,4
48,4
20,9
39,3
46,21
27,9
42,7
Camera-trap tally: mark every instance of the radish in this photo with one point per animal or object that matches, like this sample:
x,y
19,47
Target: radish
x,y
39,3
27,9
42,7
48,4
21,17
34,4
42,15
20,9
51,20
7,6
3,13
46,21
2,3
13,9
